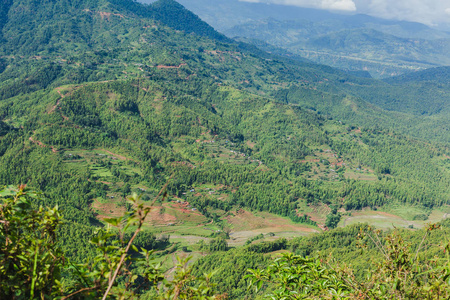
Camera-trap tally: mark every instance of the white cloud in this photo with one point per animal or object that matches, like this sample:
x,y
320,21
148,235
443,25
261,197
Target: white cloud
x,y
430,12
346,5
424,11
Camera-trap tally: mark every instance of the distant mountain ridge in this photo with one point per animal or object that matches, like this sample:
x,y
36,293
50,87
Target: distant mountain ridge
x,y
225,14
388,47
355,49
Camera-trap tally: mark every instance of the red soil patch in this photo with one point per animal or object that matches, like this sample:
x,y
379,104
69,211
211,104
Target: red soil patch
x,y
183,207
157,217
108,210
250,144
318,220
115,155
37,142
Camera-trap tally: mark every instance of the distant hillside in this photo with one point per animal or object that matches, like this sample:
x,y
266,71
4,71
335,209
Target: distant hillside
x,y
225,14
385,48
381,54
438,75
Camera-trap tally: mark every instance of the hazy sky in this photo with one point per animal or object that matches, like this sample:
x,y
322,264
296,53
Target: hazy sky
x,y
430,12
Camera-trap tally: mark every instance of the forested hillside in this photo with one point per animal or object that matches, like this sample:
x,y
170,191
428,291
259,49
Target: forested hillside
x,y
100,99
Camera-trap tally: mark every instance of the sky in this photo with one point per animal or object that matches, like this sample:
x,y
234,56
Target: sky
x,y
430,12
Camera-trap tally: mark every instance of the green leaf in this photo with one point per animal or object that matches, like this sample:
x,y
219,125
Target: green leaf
x,y
113,221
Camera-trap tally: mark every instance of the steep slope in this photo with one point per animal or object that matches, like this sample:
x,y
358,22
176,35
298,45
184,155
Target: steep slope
x,y
4,9
140,102
64,27
119,25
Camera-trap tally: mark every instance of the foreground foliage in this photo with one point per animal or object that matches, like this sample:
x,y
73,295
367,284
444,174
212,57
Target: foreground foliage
x,y
401,274
33,267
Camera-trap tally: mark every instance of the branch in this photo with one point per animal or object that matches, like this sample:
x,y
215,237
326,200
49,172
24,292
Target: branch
x,y
420,246
160,191
33,281
378,245
122,259
79,291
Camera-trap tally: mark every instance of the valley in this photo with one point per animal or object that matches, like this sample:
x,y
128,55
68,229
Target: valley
x,y
112,110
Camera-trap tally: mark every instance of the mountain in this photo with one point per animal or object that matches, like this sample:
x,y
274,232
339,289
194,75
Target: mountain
x,y
68,26
121,98
101,99
351,42
382,54
225,14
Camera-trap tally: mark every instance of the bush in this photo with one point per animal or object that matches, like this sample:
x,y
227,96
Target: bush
x,y
420,217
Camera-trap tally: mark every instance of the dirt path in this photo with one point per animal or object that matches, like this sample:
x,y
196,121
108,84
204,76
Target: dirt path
x,y
54,107
171,67
121,157
41,144
57,102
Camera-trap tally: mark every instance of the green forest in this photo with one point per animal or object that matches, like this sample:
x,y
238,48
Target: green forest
x,y
233,157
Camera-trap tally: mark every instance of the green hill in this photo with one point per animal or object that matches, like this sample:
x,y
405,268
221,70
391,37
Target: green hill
x,y
70,26
125,98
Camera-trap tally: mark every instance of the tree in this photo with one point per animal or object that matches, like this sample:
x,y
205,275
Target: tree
x,y
332,220
30,262
32,266
218,244
400,275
